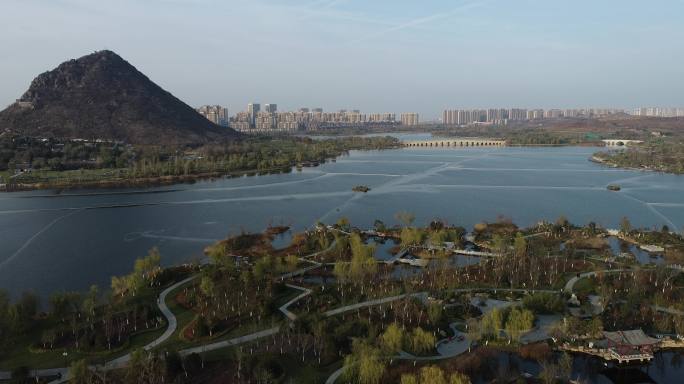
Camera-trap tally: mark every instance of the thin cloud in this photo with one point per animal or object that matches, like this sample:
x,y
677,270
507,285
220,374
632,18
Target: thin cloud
x,y
333,3
326,9
324,4
419,21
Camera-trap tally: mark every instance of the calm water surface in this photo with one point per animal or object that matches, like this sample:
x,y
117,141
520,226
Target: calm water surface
x,y
54,242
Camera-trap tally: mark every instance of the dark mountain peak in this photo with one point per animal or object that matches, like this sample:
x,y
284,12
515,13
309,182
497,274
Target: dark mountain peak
x,y
101,95
98,69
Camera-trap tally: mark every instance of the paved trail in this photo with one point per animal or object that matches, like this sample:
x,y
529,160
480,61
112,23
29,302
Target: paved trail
x,y
172,325
172,322
231,342
170,328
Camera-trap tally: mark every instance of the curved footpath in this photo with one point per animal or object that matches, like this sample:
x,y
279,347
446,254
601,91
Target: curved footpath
x,y
173,323
461,347
570,286
170,328
449,347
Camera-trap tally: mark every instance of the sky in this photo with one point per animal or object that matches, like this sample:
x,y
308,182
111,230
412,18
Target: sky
x,y
375,55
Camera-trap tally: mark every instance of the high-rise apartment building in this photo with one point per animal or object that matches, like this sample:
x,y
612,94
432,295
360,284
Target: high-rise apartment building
x,y
517,114
553,114
271,108
410,118
215,113
382,118
252,110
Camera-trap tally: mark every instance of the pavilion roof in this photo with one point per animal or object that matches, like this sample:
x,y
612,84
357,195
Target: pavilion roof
x,y
634,337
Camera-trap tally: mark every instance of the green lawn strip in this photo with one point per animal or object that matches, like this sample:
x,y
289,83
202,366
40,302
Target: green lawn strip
x,y
585,286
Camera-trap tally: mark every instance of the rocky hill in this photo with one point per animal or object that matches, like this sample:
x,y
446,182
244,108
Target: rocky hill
x,y
102,96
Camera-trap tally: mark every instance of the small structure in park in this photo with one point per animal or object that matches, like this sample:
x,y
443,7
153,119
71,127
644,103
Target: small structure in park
x,y
630,346
652,248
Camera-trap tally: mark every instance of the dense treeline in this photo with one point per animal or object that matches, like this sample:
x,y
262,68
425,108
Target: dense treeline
x,y
66,163
658,155
524,135
51,154
251,155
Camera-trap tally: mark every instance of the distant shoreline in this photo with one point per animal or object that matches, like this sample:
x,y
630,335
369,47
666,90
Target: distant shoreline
x,y
140,182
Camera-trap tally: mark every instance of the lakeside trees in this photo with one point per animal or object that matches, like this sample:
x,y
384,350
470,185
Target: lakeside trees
x,y
145,272
57,163
241,294
434,375
655,154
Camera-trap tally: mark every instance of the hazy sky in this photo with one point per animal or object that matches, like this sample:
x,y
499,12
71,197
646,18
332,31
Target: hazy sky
x,y
374,55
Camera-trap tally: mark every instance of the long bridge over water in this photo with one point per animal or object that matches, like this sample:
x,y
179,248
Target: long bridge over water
x,y
486,142
620,142
455,143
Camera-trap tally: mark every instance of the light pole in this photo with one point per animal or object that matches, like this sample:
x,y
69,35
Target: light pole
x,y
66,362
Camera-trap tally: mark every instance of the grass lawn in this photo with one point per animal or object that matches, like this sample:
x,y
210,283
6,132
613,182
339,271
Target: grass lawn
x,y
585,286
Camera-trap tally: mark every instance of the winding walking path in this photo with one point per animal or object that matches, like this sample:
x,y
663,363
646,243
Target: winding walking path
x,y
119,362
570,285
422,295
172,323
231,342
170,328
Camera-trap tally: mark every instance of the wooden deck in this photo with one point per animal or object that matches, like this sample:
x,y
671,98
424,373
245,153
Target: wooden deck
x,y
609,354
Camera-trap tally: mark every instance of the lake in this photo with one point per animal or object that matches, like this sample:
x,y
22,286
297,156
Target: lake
x,y
71,240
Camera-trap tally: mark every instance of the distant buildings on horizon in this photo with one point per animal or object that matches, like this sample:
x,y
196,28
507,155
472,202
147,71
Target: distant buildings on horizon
x,y
658,112
269,120
256,119
504,115
215,113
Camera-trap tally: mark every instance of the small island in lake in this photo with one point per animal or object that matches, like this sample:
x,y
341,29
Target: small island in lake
x,y
613,187
361,188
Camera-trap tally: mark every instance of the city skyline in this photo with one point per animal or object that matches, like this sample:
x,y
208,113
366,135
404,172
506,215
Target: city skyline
x,y
269,119
489,114
380,56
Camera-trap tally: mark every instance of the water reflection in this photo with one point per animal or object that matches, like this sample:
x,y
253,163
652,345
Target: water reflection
x,y
462,187
666,368
622,248
385,249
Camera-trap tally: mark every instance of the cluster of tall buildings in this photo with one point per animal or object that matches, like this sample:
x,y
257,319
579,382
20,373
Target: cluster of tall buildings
x,y
504,115
658,112
215,113
269,120
266,118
